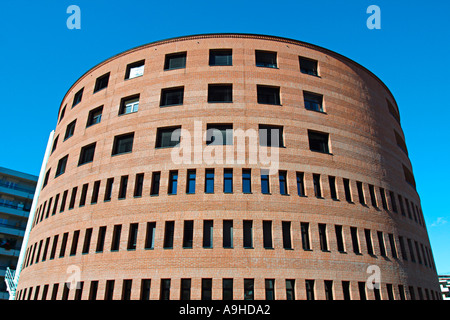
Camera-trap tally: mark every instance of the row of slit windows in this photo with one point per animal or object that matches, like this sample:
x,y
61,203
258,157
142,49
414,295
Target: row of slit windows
x,y
271,291
377,197
417,251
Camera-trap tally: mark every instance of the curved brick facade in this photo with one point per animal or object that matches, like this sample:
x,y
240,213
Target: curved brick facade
x,y
277,240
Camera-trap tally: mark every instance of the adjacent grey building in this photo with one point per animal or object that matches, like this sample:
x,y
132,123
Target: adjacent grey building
x,y
16,196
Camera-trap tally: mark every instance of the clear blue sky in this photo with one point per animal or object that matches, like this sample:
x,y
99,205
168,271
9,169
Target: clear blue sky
x,y
40,58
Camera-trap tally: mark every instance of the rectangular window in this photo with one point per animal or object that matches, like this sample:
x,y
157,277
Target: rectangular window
x,y
265,182
383,199
175,61
249,289
173,182
206,289
228,233
123,187
286,230
373,198
362,290
123,144
165,289
129,104
138,185
93,290
220,93
135,69
87,154
209,180
323,237
55,243
300,184
402,248
381,243
268,95
150,236
62,250
355,240
109,289
359,186
168,234
72,198
115,243
188,233
84,190
219,134
168,137
75,237
267,235
145,289
290,289
248,234
185,292
227,289
400,142
63,112
308,66
228,180
333,191
270,289
390,291
108,189
87,241
409,177
317,186
101,82
207,233
339,238
267,59
309,286
282,178
190,185
393,111
328,289
55,291
393,202
246,180
220,57
171,97
346,290
95,116
55,143
318,141
367,233
47,175
304,229
77,97
393,246
95,192
313,101
44,254
156,176
348,193
402,208
132,236
61,168
270,136
126,289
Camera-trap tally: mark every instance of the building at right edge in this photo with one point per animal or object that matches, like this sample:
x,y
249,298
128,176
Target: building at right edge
x,y
341,206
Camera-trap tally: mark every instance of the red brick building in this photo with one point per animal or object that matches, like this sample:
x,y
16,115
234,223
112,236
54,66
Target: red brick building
x,y
123,218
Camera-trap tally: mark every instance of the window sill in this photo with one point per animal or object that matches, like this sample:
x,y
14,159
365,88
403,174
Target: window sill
x,y
133,77
285,194
81,164
220,101
309,74
168,147
99,90
316,151
170,69
124,114
249,248
118,154
220,65
317,111
170,105
154,195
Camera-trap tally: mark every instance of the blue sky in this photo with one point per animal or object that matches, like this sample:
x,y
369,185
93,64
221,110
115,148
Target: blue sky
x,y
40,58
